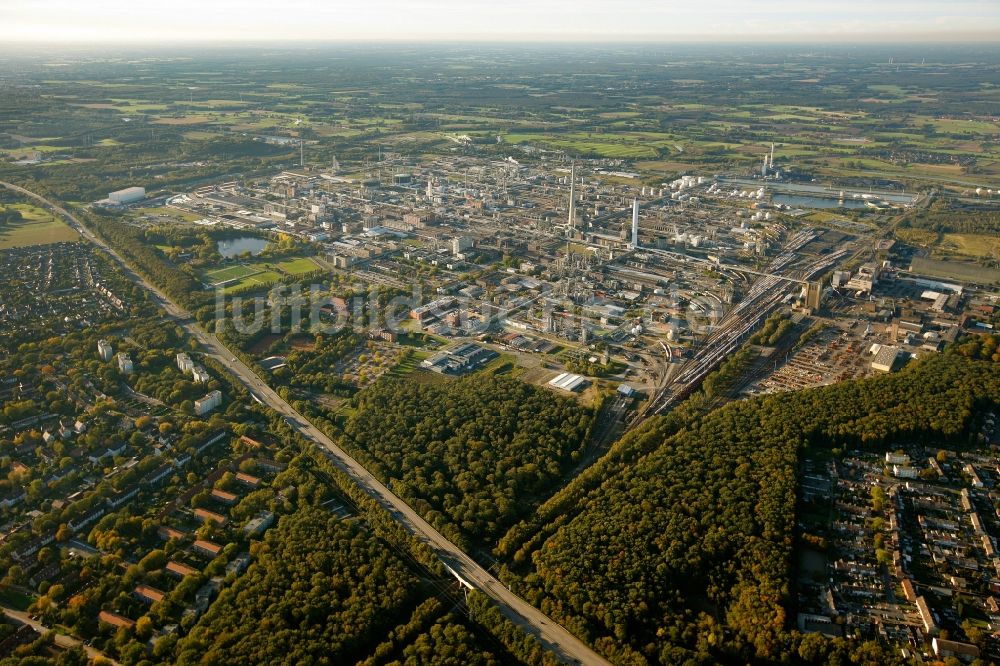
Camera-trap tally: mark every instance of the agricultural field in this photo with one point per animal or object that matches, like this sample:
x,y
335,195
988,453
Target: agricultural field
x,y
658,113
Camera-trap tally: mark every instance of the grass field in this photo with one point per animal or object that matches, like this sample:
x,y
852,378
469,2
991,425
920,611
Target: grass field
x,y
168,211
973,245
410,363
230,273
238,276
298,266
38,228
611,145
954,270
263,277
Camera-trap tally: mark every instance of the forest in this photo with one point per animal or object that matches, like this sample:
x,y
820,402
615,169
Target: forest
x,y
326,591
473,455
944,218
677,545
131,242
981,347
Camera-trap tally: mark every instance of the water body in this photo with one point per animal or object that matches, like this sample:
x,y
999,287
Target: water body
x,y
821,191
234,246
805,201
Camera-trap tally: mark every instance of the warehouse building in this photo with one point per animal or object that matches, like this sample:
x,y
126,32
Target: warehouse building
x,y
127,196
567,381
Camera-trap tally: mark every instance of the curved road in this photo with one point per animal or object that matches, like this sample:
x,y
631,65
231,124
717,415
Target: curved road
x,y
62,640
552,635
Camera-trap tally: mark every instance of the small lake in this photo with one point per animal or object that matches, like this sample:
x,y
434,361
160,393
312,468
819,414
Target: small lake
x,y
232,247
805,201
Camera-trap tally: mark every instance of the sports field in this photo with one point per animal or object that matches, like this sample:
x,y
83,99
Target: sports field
x,y
231,273
261,277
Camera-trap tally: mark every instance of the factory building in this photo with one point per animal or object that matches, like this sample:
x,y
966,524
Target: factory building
x,y
127,196
567,381
885,358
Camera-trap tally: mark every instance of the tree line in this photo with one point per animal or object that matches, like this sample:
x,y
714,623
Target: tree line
x,y
678,544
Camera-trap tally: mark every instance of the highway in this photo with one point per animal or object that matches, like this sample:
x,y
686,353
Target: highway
x,y
554,637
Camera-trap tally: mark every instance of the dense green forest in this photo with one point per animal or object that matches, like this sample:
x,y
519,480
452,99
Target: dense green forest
x,y
326,591
321,586
475,454
136,248
982,347
678,543
941,217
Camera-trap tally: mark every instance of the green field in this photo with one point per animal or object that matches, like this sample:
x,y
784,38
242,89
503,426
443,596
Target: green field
x,y
298,266
972,245
954,270
258,272
168,211
37,228
230,273
612,145
260,277
409,364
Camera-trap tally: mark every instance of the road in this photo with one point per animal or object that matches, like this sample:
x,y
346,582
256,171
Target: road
x,y
62,640
552,635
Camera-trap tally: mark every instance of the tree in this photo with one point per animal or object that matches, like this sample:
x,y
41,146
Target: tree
x,y
155,559
63,533
878,498
201,500
144,628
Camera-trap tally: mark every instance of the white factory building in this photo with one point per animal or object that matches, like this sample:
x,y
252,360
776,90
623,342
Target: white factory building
x,y
567,381
127,196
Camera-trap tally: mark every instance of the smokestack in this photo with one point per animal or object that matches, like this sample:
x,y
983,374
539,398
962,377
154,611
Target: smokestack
x,y
635,223
770,162
572,198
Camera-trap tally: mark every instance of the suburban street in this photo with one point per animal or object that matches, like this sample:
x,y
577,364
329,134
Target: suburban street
x,y
552,635
62,640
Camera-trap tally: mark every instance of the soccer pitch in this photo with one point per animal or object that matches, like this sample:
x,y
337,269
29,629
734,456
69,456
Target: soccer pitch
x,y
230,274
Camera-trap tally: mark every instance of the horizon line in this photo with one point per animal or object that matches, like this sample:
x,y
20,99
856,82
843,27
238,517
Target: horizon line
x,y
979,37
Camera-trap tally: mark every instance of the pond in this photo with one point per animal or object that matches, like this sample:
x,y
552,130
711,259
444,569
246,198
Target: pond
x,y
806,201
232,247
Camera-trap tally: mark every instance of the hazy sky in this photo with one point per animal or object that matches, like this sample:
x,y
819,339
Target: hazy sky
x,y
255,20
